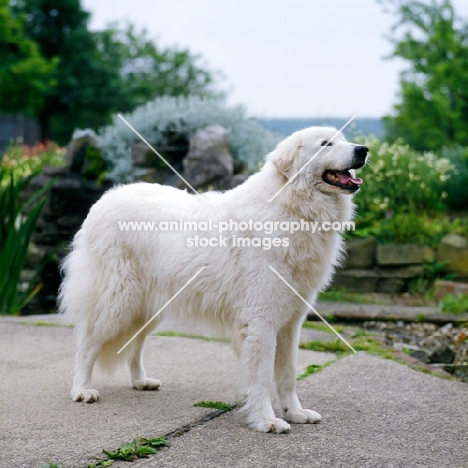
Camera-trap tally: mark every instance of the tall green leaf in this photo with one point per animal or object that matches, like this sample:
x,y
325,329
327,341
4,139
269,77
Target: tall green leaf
x,y
17,222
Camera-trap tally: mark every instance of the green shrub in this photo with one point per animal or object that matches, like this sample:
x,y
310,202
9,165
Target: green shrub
x,y
22,161
95,166
159,120
454,304
406,193
401,180
17,221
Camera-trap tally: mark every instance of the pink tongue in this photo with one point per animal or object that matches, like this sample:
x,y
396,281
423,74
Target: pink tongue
x,y
345,177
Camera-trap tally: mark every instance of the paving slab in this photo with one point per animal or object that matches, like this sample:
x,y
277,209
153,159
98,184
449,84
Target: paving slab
x,y
39,422
376,413
350,312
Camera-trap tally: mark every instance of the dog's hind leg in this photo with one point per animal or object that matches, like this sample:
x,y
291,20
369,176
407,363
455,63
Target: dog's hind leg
x,y
257,352
285,374
137,369
86,356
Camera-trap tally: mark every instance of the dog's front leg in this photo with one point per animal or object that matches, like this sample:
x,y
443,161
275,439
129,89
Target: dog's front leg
x,y
257,352
285,374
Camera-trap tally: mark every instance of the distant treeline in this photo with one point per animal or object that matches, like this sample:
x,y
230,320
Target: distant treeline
x,y
366,126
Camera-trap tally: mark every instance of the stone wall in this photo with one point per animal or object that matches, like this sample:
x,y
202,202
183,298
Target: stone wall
x,y
70,198
370,267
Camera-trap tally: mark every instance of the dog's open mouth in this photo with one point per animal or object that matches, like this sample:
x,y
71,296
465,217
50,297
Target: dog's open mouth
x,y
342,179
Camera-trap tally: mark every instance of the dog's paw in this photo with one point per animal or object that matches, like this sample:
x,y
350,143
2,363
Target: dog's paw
x,y
87,395
146,384
276,425
303,416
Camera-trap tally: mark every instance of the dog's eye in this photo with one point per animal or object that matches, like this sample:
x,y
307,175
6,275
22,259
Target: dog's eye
x,y
326,143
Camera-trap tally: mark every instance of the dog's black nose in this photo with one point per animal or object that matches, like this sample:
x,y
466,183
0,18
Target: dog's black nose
x,y
361,151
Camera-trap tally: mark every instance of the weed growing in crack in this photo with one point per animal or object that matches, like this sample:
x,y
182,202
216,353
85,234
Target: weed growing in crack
x,y
130,451
314,368
219,405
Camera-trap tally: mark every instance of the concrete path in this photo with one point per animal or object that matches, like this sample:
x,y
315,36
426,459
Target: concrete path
x,y
376,413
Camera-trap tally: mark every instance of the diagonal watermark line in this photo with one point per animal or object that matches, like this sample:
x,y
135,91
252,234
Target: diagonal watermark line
x,y
157,154
311,159
312,309
161,309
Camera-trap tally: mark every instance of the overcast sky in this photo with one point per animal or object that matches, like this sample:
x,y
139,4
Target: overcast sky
x,y
280,58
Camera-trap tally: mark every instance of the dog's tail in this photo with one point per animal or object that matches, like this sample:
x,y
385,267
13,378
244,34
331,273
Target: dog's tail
x,y
102,299
77,293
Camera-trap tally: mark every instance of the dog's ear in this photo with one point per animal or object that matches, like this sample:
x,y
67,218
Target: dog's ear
x,y
286,156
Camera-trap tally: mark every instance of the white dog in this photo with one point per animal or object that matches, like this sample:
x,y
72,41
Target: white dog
x,y
116,280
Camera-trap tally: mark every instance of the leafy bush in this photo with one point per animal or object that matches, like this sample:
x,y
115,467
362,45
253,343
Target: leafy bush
x,y
401,180
157,120
405,195
454,304
17,222
410,228
22,161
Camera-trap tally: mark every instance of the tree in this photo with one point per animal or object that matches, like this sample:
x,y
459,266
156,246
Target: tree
x,y
433,108
25,74
100,73
147,71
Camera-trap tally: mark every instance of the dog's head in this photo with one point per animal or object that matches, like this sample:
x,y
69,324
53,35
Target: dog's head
x,y
320,158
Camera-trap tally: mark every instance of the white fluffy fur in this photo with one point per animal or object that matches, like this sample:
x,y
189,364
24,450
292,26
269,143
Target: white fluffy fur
x,y
115,281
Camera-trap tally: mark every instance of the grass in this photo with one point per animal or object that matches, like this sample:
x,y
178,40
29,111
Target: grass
x,y
193,336
313,369
219,405
430,372
339,295
454,303
322,327
421,318
51,465
359,343
40,323
324,346
360,332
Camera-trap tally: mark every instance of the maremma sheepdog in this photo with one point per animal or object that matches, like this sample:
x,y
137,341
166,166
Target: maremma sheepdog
x,y
115,280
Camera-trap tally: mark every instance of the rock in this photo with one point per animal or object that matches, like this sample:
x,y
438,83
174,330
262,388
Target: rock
x,y
155,176
391,285
143,156
442,288
360,253
400,254
209,157
363,281
53,171
442,355
240,168
430,254
413,350
76,149
446,329
67,206
405,272
228,183
453,249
